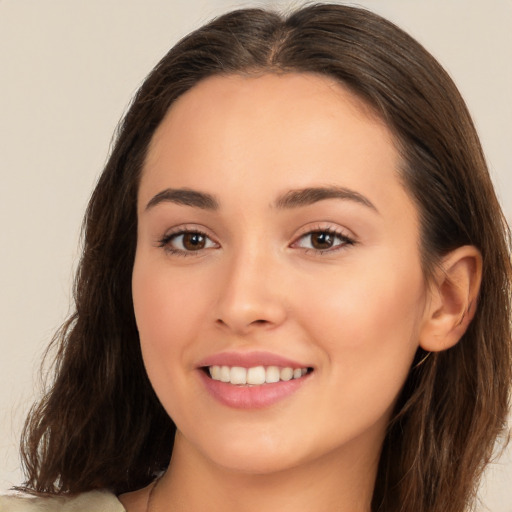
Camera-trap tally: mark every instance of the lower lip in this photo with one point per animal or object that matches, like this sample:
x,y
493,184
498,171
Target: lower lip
x,y
251,397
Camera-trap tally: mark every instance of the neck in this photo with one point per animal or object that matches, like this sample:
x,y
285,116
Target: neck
x,y
338,482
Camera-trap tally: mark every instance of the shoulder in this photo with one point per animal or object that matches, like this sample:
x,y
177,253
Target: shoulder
x,y
93,501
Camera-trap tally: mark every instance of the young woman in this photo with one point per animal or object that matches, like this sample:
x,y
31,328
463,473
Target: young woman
x,y
295,286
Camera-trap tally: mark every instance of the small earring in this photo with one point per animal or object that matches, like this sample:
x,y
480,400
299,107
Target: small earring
x,y
422,360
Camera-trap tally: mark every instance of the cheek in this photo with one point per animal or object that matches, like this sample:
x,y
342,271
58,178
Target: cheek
x,y
368,324
166,302
375,297
167,309
368,328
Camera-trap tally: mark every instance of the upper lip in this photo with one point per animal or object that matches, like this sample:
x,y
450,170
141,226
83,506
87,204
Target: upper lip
x,y
250,359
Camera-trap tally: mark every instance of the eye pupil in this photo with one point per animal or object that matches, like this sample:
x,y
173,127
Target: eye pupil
x,y
194,241
322,240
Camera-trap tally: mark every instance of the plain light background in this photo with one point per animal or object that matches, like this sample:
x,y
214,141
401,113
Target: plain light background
x,y
68,69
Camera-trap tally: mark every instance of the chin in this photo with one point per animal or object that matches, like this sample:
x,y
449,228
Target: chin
x,y
255,453
257,462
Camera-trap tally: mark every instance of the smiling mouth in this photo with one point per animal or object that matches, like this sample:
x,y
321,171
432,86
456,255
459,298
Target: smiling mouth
x,y
256,375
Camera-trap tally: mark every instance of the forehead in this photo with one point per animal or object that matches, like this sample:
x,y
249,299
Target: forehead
x,y
228,100
272,132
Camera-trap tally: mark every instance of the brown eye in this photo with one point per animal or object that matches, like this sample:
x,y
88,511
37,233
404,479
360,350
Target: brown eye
x,y
322,240
186,242
193,241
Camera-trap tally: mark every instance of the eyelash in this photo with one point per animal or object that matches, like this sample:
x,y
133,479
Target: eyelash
x,y
165,241
344,240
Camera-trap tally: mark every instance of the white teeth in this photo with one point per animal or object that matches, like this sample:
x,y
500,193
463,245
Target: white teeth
x,y
286,373
256,375
224,374
273,374
215,372
238,375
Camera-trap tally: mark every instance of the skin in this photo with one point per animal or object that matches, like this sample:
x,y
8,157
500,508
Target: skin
x,y
355,313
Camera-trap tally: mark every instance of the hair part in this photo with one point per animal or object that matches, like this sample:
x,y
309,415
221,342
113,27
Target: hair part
x,y
101,425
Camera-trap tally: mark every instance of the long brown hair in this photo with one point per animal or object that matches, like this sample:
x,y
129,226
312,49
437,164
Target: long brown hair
x,y
101,425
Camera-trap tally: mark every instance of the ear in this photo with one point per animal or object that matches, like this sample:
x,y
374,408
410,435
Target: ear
x,y
453,299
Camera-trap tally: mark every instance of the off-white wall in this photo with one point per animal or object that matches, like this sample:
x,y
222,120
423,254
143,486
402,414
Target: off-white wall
x,y
67,70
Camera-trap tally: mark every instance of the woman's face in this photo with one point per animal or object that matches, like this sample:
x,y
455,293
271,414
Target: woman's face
x,y
276,242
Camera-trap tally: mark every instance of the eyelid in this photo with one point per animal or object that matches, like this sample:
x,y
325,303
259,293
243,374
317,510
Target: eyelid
x,y
344,234
332,227
165,240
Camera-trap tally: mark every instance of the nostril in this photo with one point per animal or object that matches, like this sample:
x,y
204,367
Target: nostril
x,y
219,321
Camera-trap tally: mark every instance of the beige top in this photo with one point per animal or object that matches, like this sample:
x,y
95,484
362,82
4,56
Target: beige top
x,y
93,501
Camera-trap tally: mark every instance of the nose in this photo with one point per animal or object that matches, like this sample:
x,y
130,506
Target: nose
x,y
252,293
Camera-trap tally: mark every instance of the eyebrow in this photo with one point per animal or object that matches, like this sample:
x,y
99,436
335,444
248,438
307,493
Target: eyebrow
x,y
291,199
186,197
311,195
